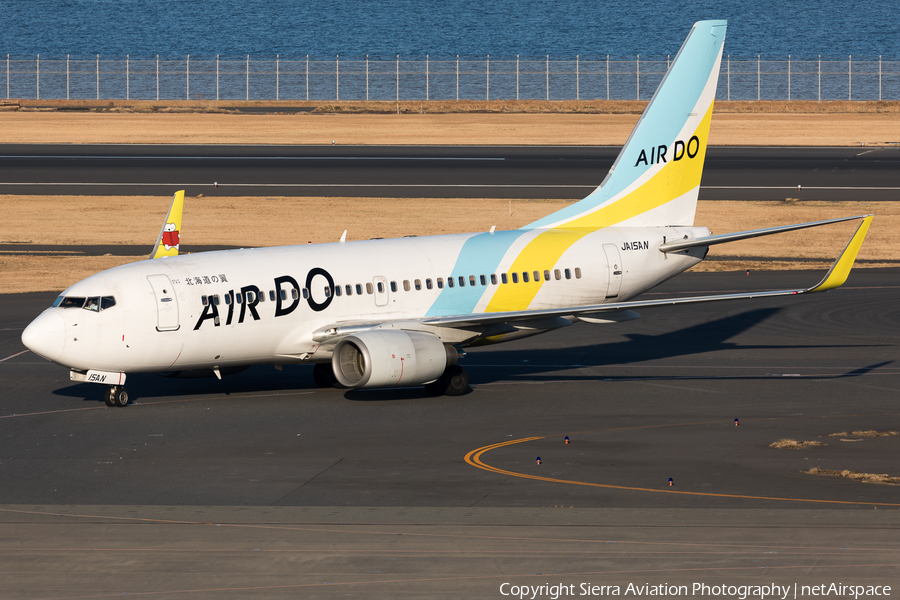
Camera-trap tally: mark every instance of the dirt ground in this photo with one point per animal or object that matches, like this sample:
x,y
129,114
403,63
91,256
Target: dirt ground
x,y
260,221
47,126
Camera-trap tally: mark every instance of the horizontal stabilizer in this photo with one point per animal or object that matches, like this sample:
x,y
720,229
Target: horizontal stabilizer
x,y
723,238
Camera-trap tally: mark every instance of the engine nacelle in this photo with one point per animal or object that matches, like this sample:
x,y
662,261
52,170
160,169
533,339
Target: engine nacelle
x,y
388,358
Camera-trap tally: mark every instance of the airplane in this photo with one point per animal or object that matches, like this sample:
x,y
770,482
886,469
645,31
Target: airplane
x,y
400,312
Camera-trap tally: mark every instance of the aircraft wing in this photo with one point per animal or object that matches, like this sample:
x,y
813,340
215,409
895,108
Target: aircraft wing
x,y
619,311
835,277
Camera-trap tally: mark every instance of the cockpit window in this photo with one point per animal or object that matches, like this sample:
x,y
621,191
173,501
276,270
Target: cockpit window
x,y
94,303
71,302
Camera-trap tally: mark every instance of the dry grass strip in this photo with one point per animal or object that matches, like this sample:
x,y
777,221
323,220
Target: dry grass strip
x,y
870,433
419,125
789,444
880,478
259,221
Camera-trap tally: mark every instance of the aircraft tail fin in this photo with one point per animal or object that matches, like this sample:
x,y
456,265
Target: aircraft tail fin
x,y
170,235
655,180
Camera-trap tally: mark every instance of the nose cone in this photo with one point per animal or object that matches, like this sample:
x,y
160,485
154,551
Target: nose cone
x,y
46,335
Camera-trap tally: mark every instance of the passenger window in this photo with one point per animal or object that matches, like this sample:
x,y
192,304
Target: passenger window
x,y
515,278
261,297
546,275
369,288
283,295
483,280
428,284
450,282
228,298
294,294
537,276
305,294
204,301
472,280
380,287
393,286
568,274
440,282
493,279
462,281
349,289
503,278
406,285
577,272
418,284
359,289
216,299
557,274
239,299
337,290
328,291
524,276
272,295
107,302
92,304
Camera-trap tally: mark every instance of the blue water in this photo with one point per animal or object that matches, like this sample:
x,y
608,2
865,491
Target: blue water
x,y
414,28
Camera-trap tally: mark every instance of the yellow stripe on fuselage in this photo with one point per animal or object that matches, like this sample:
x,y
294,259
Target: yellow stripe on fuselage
x,y
543,252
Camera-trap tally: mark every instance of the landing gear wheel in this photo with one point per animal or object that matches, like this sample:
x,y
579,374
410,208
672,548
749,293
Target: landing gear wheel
x,y
454,381
110,397
119,395
323,375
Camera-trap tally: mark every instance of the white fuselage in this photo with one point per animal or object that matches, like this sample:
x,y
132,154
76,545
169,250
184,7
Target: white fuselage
x,y
273,303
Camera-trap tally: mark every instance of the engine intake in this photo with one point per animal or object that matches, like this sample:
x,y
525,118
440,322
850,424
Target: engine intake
x,y
388,358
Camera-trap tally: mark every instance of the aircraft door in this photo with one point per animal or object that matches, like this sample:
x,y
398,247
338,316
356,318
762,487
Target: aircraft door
x,y
166,303
614,261
381,291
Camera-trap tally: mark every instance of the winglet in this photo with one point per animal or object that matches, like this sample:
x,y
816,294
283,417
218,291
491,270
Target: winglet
x,y
839,271
170,235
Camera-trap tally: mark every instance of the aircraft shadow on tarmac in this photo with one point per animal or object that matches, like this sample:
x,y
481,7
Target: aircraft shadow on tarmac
x,y
706,337
702,338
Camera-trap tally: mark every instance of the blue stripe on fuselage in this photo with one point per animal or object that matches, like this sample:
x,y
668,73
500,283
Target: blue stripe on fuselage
x,y
480,255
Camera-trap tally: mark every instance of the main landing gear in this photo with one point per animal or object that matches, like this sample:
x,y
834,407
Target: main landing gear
x,y
454,381
323,375
116,395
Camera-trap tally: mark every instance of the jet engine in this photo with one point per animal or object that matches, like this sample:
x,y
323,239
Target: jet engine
x,y
387,358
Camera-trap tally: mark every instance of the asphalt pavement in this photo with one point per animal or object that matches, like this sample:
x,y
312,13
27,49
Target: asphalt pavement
x,y
532,172
262,485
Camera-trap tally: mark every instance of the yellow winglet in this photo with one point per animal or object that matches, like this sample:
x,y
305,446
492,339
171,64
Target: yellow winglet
x,y
839,271
170,235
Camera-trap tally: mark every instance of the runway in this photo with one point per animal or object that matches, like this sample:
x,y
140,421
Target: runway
x,y
262,485
730,173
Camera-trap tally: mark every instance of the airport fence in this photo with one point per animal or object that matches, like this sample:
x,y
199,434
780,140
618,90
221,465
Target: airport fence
x,y
398,79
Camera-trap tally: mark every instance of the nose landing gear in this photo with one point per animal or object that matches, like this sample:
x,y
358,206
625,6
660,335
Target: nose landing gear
x,y
116,395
